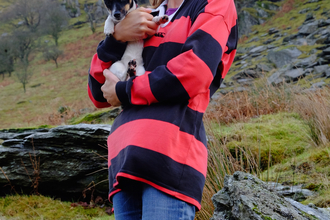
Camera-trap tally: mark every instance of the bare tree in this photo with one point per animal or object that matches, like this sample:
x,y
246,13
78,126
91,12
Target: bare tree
x,y
96,13
52,53
22,73
56,19
6,56
30,13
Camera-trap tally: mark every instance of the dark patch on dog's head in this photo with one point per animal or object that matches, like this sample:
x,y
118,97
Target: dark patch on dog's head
x,y
119,8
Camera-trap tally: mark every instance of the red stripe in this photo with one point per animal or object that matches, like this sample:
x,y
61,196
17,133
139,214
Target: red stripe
x,y
167,191
162,137
207,23
227,60
141,92
97,67
200,102
194,75
97,103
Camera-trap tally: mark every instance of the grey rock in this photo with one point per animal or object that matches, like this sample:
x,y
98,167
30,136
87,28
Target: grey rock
x,y
245,82
309,16
68,157
323,22
268,41
318,85
321,69
303,63
326,51
317,213
289,38
258,49
246,21
283,57
249,73
308,28
262,68
295,192
245,197
272,31
305,10
294,75
254,39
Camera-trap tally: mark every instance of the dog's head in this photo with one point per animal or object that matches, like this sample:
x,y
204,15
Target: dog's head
x,y
118,9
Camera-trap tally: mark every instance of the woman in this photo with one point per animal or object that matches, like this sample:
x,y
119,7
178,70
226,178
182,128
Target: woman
x,y
157,146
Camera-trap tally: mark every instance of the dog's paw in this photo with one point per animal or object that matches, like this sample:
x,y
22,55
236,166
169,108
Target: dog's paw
x,y
131,71
161,19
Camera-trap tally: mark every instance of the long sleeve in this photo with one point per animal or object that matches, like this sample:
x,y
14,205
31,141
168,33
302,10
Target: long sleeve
x,y
209,47
108,52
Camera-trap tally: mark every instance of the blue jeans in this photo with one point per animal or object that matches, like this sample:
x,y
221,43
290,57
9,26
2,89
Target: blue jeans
x,y
148,203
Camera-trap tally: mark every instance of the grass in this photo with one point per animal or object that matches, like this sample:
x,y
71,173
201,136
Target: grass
x,y
40,207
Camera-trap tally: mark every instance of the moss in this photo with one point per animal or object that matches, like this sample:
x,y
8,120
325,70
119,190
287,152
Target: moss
x,y
95,117
256,210
40,207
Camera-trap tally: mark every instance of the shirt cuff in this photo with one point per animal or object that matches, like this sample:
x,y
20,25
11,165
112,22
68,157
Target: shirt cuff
x,y
121,92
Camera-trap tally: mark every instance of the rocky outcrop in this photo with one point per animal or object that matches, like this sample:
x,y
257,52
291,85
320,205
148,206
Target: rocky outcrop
x,y
60,162
283,57
245,197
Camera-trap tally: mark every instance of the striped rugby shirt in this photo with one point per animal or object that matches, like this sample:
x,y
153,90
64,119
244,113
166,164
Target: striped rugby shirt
x,y
159,137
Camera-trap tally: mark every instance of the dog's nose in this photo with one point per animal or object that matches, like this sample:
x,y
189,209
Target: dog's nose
x,y
117,15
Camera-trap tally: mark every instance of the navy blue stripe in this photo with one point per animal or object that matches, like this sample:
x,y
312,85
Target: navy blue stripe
x,y
205,49
164,171
232,39
166,87
167,50
95,88
188,120
117,49
217,80
191,8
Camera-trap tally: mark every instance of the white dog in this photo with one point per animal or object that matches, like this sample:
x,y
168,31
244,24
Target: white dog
x,y
131,62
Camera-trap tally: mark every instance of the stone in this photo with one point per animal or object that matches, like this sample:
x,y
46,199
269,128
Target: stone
x,y
262,67
283,57
245,197
303,63
305,10
318,85
246,21
295,192
258,49
326,51
309,17
294,75
249,73
321,69
272,31
308,28
69,160
268,41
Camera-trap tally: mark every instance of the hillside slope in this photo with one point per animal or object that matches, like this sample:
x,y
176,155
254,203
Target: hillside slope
x,y
55,95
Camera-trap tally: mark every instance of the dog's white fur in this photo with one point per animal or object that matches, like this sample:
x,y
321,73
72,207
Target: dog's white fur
x,y
133,50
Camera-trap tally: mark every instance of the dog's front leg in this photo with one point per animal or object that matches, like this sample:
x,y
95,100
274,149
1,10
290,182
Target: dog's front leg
x,y
109,26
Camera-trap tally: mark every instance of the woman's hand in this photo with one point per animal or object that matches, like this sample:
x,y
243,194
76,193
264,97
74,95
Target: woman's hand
x,y
109,88
137,25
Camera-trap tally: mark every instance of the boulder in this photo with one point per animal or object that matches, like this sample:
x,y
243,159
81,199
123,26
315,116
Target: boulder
x,y
308,28
283,57
245,197
294,75
62,161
